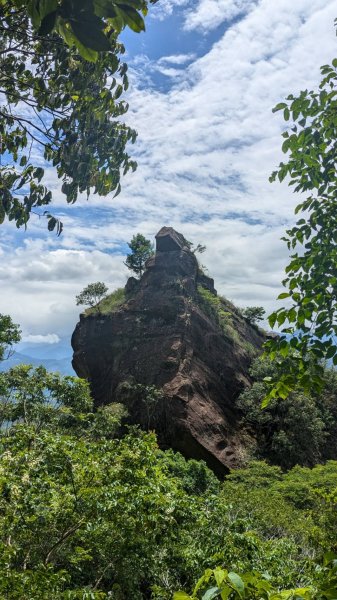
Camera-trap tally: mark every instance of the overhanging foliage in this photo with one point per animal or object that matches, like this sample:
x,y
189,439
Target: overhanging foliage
x,y
61,80
309,322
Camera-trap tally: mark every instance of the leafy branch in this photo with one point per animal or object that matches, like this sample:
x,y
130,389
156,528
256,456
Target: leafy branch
x,y
67,107
309,323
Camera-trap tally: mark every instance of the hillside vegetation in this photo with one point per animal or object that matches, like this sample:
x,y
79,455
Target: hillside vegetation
x,y
93,510
108,304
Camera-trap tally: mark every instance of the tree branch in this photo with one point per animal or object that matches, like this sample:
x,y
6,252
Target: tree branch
x,y
62,539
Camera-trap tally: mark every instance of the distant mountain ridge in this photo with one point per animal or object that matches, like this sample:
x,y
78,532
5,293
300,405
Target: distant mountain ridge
x,y
54,357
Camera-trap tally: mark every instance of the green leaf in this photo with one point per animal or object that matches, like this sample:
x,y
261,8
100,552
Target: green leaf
x,y
47,24
46,7
181,596
208,573
86,53
237,583
213,592
331,352
279,106
219,575
71,40
283,295
2,214
281,317
137,4
118,91
272,319
226,592
118,190
90,35
132,18
52,222
32,9
38,173
266,400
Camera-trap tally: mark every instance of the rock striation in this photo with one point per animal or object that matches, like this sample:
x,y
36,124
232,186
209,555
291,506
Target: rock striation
x,y
175,354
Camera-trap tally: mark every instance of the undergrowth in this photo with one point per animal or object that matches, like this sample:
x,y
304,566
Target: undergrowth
x,y
221,311
109,304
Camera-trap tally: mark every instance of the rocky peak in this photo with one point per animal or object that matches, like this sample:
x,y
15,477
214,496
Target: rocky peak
x,y
169,240
175,354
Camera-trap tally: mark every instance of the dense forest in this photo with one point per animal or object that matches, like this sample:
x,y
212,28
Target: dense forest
x,y
93,508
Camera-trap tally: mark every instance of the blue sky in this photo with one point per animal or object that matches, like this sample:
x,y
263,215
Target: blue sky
x,y
203,80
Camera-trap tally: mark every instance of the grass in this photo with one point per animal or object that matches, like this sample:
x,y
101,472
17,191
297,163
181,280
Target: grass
x,y
216,307
213,306
109,304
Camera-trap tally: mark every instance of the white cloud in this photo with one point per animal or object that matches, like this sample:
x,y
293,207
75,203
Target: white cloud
x,y
49,338
143,68
205,150
165,8
176,59
209,14
44,283
212,140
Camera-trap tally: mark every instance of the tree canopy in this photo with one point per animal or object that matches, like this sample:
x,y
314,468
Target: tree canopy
x,y
92,294
9,335
89,25
89,510
61,80
254,313
309,321
141,250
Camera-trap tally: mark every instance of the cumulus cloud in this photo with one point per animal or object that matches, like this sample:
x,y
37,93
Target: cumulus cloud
x,y
176,59
205,150
166,7
209,14
49,338
44,283
209,145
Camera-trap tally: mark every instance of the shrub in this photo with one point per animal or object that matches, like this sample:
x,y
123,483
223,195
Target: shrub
x,y
299,430
110,303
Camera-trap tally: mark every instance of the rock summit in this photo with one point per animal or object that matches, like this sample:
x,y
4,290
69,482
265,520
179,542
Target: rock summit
x,y
175,353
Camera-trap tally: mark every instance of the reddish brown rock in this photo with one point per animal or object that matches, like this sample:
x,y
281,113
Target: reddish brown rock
x,y
168,335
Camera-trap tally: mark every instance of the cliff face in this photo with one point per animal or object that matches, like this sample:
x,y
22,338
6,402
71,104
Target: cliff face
x,y
174,333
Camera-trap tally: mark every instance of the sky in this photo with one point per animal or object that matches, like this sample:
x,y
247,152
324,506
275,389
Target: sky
x,y
204,78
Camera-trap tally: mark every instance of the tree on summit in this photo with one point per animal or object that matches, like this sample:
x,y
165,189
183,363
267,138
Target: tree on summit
x,y
92,294
254,314
141,250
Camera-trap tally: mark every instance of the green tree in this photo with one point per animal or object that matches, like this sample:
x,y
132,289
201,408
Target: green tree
x,y
199,248
254,313
88,513
92,294
68,77
219,583
299,430
222,584
83,514
141,250
309,321
88,25
9,335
